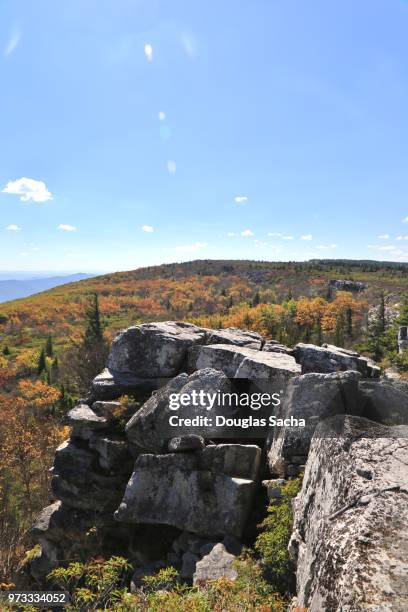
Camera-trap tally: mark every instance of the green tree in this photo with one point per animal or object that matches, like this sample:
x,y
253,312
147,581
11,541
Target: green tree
x,y
94,327
6,350
42,365
256,299
49,349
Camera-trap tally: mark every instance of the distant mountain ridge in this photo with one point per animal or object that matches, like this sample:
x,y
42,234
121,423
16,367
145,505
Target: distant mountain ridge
x,y
14,289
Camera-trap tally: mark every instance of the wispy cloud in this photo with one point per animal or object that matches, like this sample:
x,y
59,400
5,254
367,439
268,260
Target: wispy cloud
x,y
148,51
384,237
275,234
379,247
28,189
402,237
13,228
326,246
161,115
148,229
231,234
247,232
287,237
13,42
65,227
405,220
306,237
188,248
171,166
189,44
240,199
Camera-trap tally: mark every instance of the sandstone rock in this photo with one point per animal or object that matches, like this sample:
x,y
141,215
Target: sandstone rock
x,y
385,402
153,350
208,492
243,362
217,564
329,358
237,337
350,537
149,429
113,453
189,442
312,397
84,421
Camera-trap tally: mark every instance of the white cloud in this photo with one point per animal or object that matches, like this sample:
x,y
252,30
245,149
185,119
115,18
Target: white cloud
x,y
148,51
171,166
405,220
386,248
13,42
28,189
402,237
13,228
240,199
188,248
65,227
384,237
231,234
161,115
306,237
275,234
287,237
24,254
247,232
148,229
326,246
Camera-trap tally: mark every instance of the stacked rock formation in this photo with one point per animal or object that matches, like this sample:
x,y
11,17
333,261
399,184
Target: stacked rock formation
x,y
124,483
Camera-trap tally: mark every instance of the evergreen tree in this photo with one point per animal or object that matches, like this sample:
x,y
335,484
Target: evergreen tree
x,y
349,316
49,349
6,350
256,299
94,328
42,365
230,302
402,318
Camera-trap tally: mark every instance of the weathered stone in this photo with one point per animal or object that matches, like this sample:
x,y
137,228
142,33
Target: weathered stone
x,y
208,492
150,430
385,402
153,350
329,358
347,285
350,537
70,459
237,337
276,347
273,487
109,385
312,397
190,442
217,564
113,453
274,369
84,420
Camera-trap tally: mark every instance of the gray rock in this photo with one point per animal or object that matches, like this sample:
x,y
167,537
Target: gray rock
x,y
347,285
276,347
208,492
350,536
402,339
329,358
190,442
84,421
237,337
312,397
153,350
274,487
243,362
71,459
385,401
150,430
109,385
113,453
217,564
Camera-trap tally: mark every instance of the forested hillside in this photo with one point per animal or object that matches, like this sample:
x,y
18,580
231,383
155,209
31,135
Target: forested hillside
x,y
54,342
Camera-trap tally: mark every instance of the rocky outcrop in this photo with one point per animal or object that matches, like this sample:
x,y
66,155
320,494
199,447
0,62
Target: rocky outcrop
x,y
402,339
350,538
217,564
329,358
347,285
385,402
208,492
313,397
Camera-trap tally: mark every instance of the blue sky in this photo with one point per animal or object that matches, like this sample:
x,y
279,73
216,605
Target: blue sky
x,y
136,132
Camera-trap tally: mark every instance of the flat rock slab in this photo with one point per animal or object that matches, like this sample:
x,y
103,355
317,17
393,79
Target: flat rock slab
x,y
208,492
350,537
232,335
329,358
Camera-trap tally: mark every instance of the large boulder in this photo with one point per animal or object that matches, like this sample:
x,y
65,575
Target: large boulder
x,y
149,430
329,358
237,337
350,537
385,402
208,492
274,369
217,564
153,350
312,397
